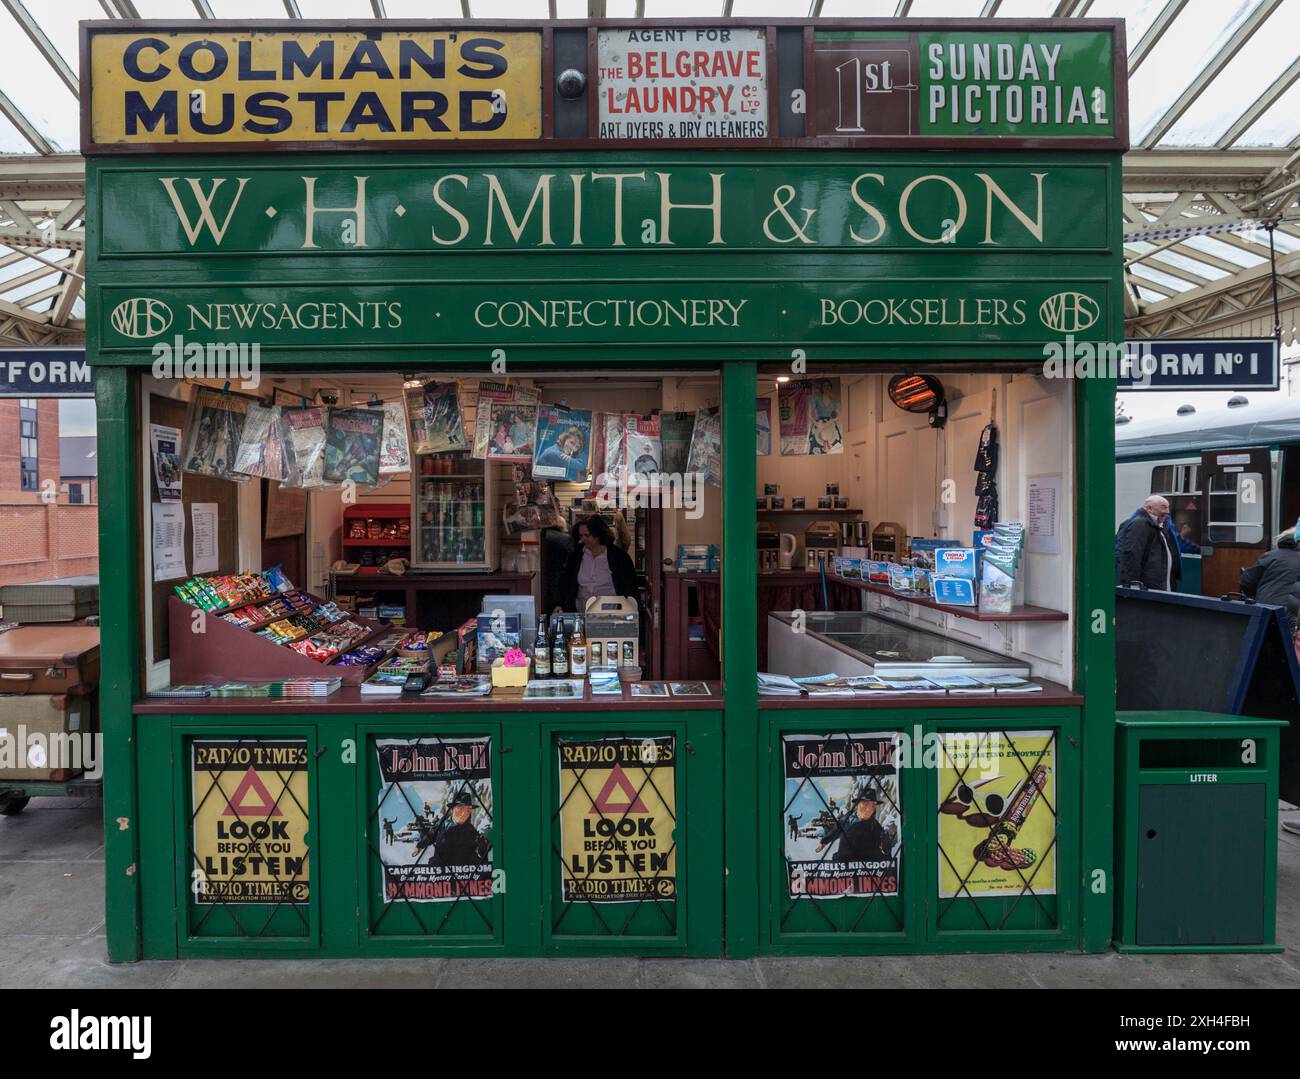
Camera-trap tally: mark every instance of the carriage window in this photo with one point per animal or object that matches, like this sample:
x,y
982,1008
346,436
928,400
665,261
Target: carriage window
x,y
1236,508
1176,480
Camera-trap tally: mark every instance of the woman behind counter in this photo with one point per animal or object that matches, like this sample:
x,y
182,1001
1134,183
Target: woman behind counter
x,y
595,567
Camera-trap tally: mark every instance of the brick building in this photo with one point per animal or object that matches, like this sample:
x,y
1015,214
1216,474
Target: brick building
x,y
42,533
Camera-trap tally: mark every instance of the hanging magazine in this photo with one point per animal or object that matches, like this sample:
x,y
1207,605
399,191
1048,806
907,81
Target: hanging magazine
x,y
394,450
705,458
306,427
436,425
532,507
352,445
513,429
491,393
607,447
212,434
810,417
675,438
263,447
763,426
563,443
642,452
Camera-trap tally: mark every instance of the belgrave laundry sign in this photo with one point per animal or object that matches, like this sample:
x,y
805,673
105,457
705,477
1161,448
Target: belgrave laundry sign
x,y
788,83
568,205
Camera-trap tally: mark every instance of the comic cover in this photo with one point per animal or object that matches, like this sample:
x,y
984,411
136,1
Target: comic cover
x,y
705,458
306,446
842,819
563,445
642,451
352,445
997,813
436,424
810,417
675,430
394,449
263,446
607,447
491,393
513,429
213,432
434,818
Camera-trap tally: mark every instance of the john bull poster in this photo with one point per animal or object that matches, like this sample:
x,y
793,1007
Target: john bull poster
x,y
618,819
250,820
842,821
997,813
434,811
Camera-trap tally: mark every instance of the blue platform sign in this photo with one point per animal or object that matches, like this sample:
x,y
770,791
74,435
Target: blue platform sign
x,y
1214,363
45,372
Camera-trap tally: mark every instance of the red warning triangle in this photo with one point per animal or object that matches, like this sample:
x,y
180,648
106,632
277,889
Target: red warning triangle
x,y
632,803
240,805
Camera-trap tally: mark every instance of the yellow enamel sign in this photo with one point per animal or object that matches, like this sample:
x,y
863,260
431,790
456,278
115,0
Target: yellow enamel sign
x,y
250,821
151,87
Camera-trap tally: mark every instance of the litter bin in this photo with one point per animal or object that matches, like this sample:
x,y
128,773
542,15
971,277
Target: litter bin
x,y
1196,832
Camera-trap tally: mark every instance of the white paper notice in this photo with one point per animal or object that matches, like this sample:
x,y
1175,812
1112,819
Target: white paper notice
x,y
204,516
687,83
168,541
1043,534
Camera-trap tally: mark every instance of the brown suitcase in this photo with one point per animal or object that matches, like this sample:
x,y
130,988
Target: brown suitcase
x,y
49,659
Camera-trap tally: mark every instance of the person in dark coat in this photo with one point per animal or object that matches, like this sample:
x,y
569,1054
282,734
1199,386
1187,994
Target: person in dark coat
x,y
596,567
862,839
1275,578
459,842
1146,549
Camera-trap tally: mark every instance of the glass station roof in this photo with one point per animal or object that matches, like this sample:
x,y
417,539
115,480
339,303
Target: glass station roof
x,y
1210,82
1249,49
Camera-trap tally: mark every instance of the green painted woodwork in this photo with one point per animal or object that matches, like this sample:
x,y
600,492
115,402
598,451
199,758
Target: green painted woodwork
x,y
346,915
726,827
917,919
1196,832
457,203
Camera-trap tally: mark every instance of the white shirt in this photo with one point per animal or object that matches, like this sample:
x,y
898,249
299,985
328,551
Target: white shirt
x,y
594,578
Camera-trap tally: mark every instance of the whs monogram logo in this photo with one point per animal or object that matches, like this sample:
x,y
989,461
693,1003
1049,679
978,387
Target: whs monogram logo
x,y
140,317
1069,312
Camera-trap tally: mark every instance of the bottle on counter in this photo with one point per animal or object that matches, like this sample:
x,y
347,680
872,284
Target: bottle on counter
x,y
541,652
560,653
578,651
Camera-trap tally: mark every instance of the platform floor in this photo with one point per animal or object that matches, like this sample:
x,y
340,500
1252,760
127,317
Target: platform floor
x,y
52,936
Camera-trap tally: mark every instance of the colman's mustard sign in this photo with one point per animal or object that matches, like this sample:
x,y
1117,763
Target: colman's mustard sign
x,y
223,87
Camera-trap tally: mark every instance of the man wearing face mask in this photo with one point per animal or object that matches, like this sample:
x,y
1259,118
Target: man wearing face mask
x,y
1146,549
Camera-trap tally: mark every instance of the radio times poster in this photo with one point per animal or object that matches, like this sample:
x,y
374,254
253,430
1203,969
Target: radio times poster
x,y
250,821
842,823
435,811
997,814
618,815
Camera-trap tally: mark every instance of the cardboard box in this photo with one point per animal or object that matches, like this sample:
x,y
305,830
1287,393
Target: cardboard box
x,y
36,732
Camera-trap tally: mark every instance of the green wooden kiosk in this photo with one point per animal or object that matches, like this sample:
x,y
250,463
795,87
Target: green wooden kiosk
x,y
487,198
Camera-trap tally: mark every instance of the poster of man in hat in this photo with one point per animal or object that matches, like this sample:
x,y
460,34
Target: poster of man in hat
x,y
843,787
438,794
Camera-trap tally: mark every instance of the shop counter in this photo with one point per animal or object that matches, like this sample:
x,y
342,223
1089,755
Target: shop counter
x,y
1054,695
349,700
